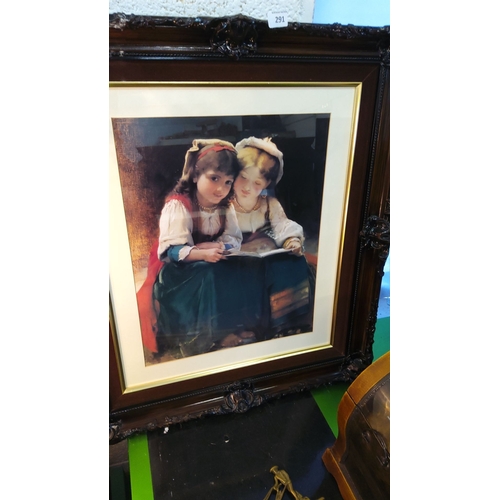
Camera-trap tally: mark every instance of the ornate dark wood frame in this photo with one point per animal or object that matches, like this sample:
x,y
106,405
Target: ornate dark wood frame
x,y
243,49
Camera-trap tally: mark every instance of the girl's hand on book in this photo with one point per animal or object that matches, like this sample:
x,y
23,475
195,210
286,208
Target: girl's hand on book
x,y
295,245
213,254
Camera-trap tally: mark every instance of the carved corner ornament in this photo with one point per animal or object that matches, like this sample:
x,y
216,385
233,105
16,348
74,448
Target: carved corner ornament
x,y
240,397
354,366
376,234
234,36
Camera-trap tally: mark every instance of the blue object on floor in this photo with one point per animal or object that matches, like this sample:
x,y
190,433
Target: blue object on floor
x,y
384,302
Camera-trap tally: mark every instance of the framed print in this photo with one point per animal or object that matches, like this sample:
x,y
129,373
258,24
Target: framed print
x,y
249,212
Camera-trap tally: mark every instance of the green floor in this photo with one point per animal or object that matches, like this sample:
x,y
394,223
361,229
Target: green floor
x,y
327,399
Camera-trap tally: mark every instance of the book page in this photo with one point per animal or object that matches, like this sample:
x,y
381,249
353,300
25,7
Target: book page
x,y
236,253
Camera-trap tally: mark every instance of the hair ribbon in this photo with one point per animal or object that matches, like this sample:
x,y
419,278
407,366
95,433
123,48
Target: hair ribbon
x,y
217,148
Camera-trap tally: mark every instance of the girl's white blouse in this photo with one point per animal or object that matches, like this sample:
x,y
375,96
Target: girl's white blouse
x,y
283,228
176,227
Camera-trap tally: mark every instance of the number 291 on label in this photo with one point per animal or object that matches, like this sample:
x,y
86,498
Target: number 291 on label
x,y
277,19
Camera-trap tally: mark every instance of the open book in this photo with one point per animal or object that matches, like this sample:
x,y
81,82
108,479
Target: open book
x,y
242,253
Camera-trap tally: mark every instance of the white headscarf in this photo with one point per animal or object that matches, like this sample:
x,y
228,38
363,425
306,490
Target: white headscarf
x,y
266,145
